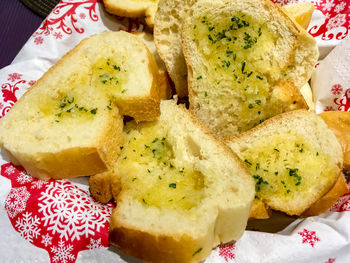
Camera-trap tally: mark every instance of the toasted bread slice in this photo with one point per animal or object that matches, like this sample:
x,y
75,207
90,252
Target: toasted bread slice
x,y
238,61
293,157
261,211
300,12
165,90
167,34
68,124
183,192
339,123
133,8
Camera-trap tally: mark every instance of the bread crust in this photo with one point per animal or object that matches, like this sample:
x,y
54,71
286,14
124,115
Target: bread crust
x,y
339,123
99,153
325,202
156,247
153,241
335,190
132,9
259,210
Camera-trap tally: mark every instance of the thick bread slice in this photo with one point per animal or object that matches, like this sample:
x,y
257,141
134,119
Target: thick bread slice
x,y
293,157
68,124
165,90
133,8
238,54
183,192
167,34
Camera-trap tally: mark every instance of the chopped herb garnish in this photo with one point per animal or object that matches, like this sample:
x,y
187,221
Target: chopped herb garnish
x,y
243,66
116,67
93,111
247,162
197,251
199,77
173,185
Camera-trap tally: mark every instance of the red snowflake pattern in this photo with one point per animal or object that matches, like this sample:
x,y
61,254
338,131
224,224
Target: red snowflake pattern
x,y
31,83
328,108
343,203
330,260
82,16
336,21
227,251
337,89
309,237
14,76
1,106
57,35
55,215
38,40
344,102
64,17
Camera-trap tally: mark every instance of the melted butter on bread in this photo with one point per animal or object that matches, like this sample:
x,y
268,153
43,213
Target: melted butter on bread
x,y
152,174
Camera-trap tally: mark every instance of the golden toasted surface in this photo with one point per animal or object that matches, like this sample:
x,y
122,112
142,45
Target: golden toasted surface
x,y
239,63
339,123
293,157
171,206
68,121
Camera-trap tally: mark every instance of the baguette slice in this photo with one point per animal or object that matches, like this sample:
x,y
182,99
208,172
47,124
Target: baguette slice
x,y
68,124
242,63
183,192
167,34
293,157
133,8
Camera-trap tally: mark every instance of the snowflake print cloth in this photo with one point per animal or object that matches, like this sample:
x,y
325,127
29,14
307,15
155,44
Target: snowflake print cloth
x,y
332,79
57,221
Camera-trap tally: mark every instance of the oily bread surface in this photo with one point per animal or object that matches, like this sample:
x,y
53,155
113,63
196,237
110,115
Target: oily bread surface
x,y
167,32
83,125
250,81
163,234
312,139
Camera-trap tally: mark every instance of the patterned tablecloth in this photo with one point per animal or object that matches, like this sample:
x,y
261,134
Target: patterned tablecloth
x,y
58,221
